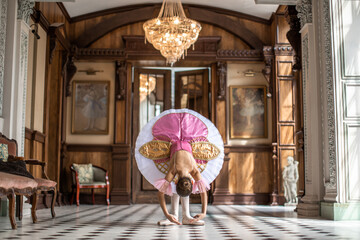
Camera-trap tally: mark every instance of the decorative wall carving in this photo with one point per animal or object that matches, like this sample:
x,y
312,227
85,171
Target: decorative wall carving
x,y
3,19
25,8
221,74
24,41
304,8
329,78
68,70
305,75
267,71
293,35
121,77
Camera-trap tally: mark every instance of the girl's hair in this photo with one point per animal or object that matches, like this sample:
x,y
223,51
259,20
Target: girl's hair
x,y
184,187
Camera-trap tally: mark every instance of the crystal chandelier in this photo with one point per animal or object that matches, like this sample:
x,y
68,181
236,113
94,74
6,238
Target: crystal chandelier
x,y
172,32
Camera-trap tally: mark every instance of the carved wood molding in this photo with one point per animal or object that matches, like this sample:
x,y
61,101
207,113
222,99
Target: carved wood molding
x,y
237,54
293,35
100,53
283,50
144,53
121,80
221,75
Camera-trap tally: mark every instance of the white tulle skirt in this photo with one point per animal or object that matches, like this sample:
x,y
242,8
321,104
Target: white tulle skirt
x,y
153,172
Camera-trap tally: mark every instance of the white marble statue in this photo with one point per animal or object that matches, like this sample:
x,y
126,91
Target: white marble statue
x,y
290,176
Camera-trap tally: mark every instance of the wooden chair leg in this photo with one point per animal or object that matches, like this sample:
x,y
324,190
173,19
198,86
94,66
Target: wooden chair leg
x,y
77,196
93,196
108,195
11,198
19,206
53,203
33,207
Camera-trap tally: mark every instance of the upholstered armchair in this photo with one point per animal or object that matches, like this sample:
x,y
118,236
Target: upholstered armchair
x,y
88,176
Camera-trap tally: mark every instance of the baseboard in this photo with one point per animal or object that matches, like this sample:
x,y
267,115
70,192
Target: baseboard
x,y
242,199
340,211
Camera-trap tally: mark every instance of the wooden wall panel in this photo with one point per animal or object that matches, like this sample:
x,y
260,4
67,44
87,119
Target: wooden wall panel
x,y
286,111
287,135
114,38
221,118
250,173
27,148
282,29
101,159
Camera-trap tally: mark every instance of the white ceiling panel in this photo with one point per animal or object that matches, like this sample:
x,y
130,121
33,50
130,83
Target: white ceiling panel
x,y
81,7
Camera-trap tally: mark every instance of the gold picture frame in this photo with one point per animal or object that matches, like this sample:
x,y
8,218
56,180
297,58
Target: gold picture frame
x,y
248,112
90,107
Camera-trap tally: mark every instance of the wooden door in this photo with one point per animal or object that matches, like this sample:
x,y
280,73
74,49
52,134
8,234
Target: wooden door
x,y
152,95
192,91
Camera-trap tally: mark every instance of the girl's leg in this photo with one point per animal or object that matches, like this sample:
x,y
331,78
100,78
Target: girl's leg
x,y
185,204
174,210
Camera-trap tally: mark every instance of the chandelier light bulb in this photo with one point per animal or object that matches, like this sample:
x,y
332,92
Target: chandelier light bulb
x,y
172,33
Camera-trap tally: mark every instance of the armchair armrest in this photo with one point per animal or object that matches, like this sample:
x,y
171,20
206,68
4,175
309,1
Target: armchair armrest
x,y
39,163
100,174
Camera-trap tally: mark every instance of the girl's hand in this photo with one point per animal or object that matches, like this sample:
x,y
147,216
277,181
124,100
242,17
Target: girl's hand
x,y
198,217
173,219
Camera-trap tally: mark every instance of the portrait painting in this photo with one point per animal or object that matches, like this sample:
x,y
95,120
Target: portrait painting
x,y
248,118
90,108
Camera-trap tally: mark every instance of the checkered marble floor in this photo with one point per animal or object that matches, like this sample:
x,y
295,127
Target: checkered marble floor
x,y
139,222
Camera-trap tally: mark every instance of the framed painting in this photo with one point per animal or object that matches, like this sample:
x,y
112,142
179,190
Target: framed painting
x,y
90,107
248,112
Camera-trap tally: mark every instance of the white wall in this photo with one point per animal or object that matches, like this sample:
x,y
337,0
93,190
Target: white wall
x,y
346,45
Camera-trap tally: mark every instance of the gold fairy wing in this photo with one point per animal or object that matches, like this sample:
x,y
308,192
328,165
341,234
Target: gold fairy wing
x,y
155,150
204,151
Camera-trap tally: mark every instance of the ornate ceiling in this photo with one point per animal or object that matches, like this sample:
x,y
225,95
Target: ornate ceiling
x,y
81,7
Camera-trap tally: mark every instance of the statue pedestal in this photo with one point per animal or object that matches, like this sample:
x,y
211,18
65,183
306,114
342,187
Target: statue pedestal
x,y
290,204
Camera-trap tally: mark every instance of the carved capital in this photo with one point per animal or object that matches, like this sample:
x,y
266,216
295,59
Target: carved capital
x,y
25,8
304,8
221,74
121,77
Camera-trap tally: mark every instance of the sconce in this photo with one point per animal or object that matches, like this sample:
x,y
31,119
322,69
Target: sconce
x,y
35,30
